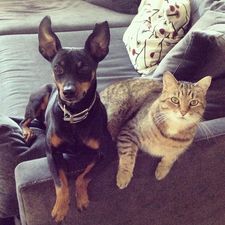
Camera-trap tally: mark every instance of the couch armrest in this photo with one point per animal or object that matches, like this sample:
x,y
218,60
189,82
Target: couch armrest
x,y
192,193
208,130
30,175
36,192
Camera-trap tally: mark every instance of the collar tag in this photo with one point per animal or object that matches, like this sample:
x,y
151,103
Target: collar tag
x,y
78,117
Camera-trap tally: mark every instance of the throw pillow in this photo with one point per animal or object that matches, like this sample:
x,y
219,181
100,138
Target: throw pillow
x,y
123,6
200,53
157,27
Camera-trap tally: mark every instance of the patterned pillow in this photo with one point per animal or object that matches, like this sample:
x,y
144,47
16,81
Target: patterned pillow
x,y
157,27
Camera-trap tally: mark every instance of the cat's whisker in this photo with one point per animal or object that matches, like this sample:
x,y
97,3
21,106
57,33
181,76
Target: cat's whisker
x,y
208,130
156,124
202,131
160,114
160,118
205,130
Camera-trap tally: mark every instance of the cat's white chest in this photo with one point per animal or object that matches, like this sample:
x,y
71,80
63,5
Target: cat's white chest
x,y
159,145
152,143
174,127
177,123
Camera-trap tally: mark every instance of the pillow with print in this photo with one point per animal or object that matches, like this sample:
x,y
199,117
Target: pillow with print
x,y
157,27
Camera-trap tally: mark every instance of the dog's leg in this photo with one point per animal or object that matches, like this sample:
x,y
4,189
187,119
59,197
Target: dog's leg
x,y
56,166
108,154
61,206
35,109
81,185
93,169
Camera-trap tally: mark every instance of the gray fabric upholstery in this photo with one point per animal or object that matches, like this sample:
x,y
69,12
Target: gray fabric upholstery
x,y
201,53
125,6
193,54
67,15
193,192
24,70
11,145
199,7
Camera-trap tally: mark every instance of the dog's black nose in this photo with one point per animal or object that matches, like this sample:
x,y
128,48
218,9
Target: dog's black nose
x,y
69,91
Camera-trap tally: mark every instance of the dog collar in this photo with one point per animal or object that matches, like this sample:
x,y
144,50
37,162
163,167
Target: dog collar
x,y
78,117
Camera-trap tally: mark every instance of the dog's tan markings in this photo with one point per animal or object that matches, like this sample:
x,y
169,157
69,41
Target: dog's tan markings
x,y
27,132
27,122
59,85
44,103
61,206
55,140
60,88
92,143
83,86
81,185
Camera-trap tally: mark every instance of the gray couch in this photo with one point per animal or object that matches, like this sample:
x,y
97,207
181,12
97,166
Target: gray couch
x,y
193,193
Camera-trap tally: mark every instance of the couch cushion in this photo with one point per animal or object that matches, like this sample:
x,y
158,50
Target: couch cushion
x,y
24,70
193,192
22,17
199,7
200,53
124,6
155,30
193,54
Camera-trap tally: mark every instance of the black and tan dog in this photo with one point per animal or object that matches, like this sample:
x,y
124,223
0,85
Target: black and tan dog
x,y
71,110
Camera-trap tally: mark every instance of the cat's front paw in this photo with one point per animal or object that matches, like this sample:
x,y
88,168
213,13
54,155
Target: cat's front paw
x,y
161,171
123,179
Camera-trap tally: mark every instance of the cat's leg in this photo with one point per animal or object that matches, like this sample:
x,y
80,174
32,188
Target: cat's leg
x,y
164,166
114,127
127,151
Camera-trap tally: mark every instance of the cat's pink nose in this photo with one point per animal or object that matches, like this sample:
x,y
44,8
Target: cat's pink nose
x,y
183,112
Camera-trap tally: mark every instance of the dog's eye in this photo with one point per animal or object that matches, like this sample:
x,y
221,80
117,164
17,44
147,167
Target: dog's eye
x,y
84,69
84,73
58,70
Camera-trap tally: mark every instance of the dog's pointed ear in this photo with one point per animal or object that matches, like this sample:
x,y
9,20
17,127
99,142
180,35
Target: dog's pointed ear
x,y
97,43
49,43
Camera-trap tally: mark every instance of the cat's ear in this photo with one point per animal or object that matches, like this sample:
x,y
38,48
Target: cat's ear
x,y
169,81
204,83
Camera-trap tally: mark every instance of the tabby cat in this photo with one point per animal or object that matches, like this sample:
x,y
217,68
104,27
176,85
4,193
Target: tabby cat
x,y
161,118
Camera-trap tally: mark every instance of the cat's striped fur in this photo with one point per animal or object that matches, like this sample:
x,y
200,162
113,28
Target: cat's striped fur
x,y
159,118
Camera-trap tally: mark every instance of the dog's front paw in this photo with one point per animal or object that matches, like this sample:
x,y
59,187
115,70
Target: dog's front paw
x,y
82,201
60,210
28,134
123,178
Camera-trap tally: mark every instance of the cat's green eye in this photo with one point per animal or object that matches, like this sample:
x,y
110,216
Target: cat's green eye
x,y
175,100
193,102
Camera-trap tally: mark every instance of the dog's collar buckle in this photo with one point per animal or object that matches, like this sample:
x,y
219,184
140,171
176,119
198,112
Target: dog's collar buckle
x,y
77,117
